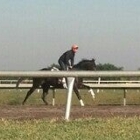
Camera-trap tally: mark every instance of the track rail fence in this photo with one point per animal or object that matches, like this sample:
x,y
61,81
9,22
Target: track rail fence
x,y
71,77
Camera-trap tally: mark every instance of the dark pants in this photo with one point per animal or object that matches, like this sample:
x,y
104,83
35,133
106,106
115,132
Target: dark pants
x,y
62,65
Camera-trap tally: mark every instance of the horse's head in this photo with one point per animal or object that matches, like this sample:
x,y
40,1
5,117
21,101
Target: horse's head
x,y
86,65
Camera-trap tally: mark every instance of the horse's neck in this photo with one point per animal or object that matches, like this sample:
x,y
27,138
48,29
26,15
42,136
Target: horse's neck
x,y
78,67
44,69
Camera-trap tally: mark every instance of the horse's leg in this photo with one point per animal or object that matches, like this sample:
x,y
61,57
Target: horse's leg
x,y
92,93
32,89
45,92
75,88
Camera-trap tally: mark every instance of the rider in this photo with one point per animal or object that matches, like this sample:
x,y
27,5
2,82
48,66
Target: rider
x,y
66,60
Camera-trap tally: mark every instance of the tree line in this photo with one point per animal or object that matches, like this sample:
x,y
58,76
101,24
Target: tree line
x,y
99,67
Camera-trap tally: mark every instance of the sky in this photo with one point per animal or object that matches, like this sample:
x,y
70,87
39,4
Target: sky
x,y
34,33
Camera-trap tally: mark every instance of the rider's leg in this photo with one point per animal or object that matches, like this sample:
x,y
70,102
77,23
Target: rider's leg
x,y
62,65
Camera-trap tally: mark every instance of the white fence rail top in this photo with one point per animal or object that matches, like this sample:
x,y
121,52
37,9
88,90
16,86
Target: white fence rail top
x,y
13,86
112,86
69,73
111,81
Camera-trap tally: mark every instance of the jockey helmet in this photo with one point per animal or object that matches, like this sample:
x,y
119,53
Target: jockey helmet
x,y
74,47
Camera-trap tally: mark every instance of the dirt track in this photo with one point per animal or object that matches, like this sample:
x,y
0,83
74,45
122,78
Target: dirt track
x,y
58,112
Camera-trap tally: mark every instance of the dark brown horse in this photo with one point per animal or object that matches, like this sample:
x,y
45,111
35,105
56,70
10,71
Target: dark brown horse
x,y
47,83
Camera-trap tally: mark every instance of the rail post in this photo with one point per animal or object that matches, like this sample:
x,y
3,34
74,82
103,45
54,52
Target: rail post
x,y
99,81
124,97
70,82
53,100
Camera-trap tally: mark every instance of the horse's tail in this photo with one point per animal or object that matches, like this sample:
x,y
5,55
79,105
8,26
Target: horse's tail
x,y
18,82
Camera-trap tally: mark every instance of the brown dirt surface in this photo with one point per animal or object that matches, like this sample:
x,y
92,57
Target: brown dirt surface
x,y
58,112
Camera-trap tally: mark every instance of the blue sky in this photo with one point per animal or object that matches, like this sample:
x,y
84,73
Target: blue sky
x,y
34,33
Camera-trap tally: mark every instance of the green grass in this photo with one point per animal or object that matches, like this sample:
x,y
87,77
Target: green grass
x,y
114,97
117,128
87,129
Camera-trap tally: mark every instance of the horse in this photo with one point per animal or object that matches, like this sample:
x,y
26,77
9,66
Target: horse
x,y
48,82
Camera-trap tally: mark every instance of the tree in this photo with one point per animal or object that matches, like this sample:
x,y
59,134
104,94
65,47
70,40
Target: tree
x,y
107,67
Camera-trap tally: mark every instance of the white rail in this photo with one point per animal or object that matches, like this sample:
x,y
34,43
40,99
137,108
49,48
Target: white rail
x,y
111,81
13,86
69,74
